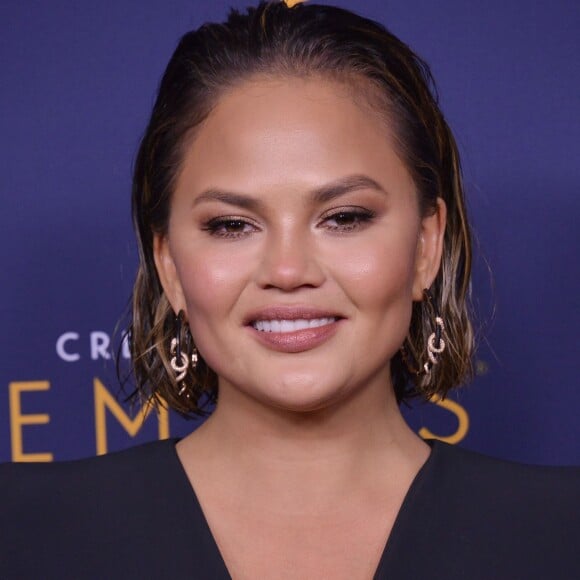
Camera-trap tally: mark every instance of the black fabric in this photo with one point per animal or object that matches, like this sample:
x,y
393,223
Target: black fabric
x,y
133,514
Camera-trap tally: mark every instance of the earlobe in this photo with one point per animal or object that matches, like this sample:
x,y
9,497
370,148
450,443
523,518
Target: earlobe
x,y
167,273
429,249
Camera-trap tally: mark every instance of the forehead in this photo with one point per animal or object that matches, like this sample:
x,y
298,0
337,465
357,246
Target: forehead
x,y
275,132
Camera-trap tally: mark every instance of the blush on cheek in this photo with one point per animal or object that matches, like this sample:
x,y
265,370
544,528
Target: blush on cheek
x,y
382,275
205,296
211,288
382,284
206,282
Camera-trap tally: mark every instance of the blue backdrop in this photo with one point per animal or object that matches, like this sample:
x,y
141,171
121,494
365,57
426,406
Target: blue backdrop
x,y
78,83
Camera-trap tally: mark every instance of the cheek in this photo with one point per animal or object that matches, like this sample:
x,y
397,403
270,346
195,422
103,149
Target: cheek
x,y
211,283
380,272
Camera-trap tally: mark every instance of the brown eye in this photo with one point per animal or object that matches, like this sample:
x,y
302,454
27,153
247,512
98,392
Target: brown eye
x,y
233,226
224,227
346,221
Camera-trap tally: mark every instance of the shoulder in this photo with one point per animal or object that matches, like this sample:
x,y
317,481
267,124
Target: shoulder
x,y
81,489
478,517
90,495
468,474
85,515
102,475
503,519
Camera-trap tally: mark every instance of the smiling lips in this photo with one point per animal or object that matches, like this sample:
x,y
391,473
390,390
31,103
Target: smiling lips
x,y
291,325
292,329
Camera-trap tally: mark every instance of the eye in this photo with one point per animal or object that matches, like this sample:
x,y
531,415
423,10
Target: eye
x,y
348,219
229,227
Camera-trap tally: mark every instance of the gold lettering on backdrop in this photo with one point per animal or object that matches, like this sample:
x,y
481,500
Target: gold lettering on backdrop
x,y
18,420
462,421
104,400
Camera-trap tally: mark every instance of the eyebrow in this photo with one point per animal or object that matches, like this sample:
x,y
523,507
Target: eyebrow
x,y
322,194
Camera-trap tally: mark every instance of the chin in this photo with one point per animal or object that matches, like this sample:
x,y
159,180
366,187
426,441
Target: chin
x,y
302,395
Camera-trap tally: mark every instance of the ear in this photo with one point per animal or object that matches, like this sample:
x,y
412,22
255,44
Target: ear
x,y
167,273
429,249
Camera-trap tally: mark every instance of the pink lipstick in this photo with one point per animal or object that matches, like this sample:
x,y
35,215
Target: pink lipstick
x,y
292,329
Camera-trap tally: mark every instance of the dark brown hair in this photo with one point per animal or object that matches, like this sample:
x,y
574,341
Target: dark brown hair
x,y
273,39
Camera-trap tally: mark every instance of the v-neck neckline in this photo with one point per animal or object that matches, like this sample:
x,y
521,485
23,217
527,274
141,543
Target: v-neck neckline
x,y
381,570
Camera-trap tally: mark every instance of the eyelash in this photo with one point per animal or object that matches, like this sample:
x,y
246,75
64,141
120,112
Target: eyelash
x,y
217,226
213,227
361,216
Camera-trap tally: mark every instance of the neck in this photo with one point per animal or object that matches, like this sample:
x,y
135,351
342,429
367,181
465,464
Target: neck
x,y
359,441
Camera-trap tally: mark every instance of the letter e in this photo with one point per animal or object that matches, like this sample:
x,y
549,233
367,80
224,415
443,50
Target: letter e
x,y
18,420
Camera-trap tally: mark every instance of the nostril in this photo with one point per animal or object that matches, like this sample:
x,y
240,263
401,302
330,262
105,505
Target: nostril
x,y
290,270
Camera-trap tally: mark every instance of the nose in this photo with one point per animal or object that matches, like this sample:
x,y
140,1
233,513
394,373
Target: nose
x,y
289,261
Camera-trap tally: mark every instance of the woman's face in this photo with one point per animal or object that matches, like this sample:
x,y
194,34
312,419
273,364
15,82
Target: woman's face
x,y
295,244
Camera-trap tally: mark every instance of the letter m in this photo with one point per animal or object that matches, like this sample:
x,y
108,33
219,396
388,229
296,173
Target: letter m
x,y
104,400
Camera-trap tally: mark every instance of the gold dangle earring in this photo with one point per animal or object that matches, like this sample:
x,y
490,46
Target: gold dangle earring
x,y
435,343
180,361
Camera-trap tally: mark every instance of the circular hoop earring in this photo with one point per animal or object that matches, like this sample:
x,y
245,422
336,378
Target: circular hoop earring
x,y
180,369
435,343
432,349
180,361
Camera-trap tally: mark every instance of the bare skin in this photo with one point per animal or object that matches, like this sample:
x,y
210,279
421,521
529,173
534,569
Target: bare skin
x,y
303,466
312,499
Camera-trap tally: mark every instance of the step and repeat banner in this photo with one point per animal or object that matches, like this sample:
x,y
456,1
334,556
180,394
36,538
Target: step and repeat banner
x,y
78,83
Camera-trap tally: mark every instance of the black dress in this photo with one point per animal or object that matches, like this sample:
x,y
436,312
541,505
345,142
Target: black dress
x,y
133,514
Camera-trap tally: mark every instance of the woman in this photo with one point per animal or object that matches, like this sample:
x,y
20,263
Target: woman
x,y
304,262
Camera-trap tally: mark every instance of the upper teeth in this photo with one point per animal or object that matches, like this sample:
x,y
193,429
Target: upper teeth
x,y
290,325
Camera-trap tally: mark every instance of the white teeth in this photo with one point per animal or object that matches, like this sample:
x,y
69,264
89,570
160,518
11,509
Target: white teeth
x,y
291,325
